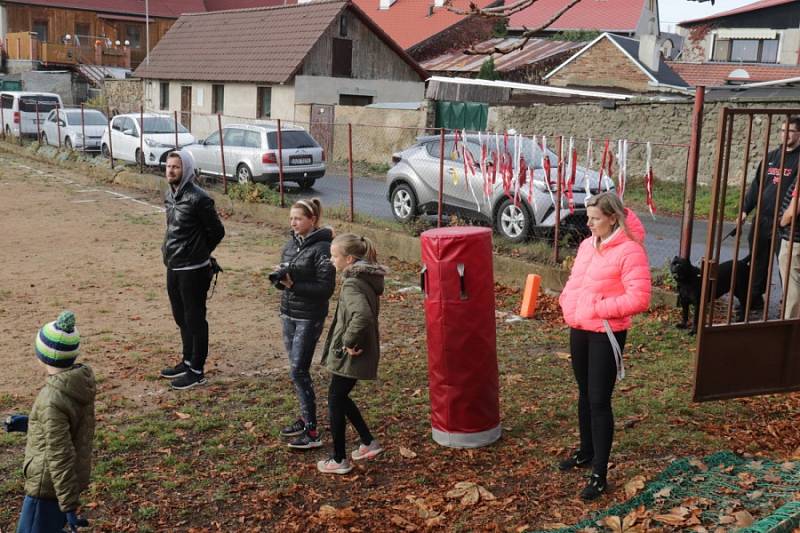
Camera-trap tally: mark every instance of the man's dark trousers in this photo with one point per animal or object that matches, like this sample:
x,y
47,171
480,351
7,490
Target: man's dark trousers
x,y
762,261
187,290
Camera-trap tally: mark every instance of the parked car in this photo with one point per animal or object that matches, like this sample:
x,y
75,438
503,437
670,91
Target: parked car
x,y
157,142
413,189
67,122
24,112
251,154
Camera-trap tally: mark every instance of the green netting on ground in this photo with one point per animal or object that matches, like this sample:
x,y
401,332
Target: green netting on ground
x,y
716,488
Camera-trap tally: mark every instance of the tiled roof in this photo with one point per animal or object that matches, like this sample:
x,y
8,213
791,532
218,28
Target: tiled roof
x,y
535,50
157,8
410,22
755,6
593,15
716,74
270,45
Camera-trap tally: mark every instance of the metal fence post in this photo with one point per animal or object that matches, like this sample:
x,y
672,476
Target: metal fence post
x,y
691,173
222,153
38,129
280,162
110,145
176,130
350,159
559,171
141,139
441,177
83,131
3,120
58,125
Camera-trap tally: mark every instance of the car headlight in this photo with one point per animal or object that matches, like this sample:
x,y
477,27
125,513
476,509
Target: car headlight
x,y
155,144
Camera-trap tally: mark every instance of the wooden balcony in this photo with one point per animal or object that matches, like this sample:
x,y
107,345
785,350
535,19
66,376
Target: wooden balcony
x,y
25,46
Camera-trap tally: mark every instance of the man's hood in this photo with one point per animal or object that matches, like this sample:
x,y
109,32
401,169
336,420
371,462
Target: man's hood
x,y
76,382
187,164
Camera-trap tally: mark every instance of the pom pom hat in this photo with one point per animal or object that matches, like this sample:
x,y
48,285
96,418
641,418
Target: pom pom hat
x,y
57,343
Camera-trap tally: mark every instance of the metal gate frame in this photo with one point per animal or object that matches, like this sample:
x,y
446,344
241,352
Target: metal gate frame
x,y
755,356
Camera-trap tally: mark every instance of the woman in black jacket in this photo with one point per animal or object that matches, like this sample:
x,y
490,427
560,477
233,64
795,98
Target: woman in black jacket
x,y
307,279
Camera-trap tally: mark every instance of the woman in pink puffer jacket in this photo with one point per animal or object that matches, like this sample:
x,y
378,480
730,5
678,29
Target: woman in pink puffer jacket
x,y
609,283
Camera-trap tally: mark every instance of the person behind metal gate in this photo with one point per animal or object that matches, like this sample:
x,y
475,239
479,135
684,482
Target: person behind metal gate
x,y
608,284
193,232
764,218
791,132
307,280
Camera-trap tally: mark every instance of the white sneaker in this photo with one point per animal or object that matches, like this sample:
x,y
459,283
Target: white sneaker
x,y
367,452
329,466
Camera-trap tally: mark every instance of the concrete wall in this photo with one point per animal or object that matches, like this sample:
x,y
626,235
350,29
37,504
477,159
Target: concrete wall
x,y
324,90
125,95
655,122
50,82
377,133
789,52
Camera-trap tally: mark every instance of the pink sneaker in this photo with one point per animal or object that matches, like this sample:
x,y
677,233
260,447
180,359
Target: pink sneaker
x,y
329,466
367,452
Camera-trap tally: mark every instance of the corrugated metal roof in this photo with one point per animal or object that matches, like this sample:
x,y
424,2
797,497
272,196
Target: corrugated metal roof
x,y
535,50
755,6
592,15
269,46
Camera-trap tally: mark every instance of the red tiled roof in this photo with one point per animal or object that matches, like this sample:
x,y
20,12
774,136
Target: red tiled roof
x,y
592,15
271,43
716,74
535,50
408,21
157,8
755,6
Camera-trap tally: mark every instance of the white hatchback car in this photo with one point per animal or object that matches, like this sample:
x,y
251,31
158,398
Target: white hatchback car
x,y
158,138
67,122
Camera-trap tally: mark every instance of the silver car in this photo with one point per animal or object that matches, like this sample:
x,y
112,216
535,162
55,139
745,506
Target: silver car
x,y
251,154
72,134
414,189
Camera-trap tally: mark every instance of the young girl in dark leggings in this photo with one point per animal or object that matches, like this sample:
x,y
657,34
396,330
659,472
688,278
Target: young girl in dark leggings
x,y
352,350
609,283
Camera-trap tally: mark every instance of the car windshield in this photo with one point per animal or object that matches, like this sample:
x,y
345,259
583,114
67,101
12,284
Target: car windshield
x,y
291,139
161,125
90,118
42,104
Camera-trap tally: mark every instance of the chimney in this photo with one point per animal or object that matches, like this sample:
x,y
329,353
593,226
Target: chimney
x,y
386,4
649,51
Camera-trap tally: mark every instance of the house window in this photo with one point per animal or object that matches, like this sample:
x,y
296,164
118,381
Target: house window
x,y
343,25
217,98
133,34
83,31
40,29
342,58
746,50
264,102
354,99
163,95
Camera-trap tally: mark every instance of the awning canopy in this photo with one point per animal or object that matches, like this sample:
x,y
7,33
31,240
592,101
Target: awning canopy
x,y
746,33
127,18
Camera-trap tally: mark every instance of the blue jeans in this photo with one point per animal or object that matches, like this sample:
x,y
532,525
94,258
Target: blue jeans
x,y
300,338
41,516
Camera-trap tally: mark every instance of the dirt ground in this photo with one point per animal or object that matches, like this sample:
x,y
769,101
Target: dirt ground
x,y
95,249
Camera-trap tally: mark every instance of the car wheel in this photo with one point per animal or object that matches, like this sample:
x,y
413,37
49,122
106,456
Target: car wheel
x,y
243,174
68,143
513,221
404,203
44,138
306,184
105,151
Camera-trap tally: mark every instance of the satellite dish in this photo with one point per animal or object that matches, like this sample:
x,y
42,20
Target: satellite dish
x,y
739,74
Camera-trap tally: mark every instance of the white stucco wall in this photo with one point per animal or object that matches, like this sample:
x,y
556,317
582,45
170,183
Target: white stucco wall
x,y
790,47
325,90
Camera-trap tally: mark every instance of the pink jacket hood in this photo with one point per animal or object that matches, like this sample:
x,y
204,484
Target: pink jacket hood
x,y
608,283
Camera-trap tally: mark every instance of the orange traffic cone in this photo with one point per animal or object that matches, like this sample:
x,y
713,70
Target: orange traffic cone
x,y
530,295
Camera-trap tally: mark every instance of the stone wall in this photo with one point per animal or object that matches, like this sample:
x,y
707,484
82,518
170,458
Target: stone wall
x,y
377,133
124,96
668,123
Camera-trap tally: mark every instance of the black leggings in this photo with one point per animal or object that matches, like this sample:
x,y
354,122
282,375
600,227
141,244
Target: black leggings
x,y
596,372
340,409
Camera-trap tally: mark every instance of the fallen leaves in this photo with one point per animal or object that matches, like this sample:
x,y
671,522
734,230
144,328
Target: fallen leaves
x,y
470,493
408,454
634,486
182,416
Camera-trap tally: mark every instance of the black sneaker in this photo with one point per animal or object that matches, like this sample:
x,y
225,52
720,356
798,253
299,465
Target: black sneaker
x,y
306,441
594,489
576,460
188,380
173,372
297,428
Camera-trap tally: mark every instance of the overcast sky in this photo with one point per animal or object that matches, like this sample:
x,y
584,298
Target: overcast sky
x,y
673,11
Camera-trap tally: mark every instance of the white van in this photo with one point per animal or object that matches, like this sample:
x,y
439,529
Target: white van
x,y
19,111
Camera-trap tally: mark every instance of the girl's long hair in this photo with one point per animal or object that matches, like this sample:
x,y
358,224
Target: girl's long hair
x,y
610,204
357,246
311,208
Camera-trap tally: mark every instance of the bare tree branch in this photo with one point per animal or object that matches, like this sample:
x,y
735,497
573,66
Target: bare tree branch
x,y
505,12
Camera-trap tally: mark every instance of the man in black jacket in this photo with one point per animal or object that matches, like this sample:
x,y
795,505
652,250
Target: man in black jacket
x,y
193,231
765,216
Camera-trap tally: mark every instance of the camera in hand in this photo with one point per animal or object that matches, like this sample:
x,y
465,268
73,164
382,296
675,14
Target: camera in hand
x,y
276,277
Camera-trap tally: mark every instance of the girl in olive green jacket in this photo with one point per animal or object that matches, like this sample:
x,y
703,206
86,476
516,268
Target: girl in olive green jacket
x,y
352,350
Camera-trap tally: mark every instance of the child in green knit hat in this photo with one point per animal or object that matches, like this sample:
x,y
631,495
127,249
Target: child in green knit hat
x,y
60,432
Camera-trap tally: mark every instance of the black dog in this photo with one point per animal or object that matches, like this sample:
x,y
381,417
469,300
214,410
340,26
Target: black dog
x,y
688,278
